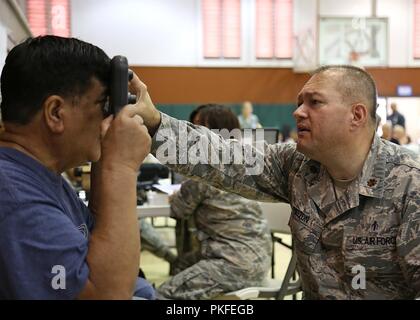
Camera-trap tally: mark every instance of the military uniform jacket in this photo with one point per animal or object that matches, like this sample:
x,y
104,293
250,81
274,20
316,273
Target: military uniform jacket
x,y
362,245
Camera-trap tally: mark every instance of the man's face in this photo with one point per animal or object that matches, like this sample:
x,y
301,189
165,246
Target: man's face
x,y
322,118
83,131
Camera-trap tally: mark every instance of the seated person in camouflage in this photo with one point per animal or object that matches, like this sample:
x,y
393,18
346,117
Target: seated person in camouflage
x,y
355,198
235,244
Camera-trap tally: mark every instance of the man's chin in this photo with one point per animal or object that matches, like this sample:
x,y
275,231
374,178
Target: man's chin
x,y
300,147
303,149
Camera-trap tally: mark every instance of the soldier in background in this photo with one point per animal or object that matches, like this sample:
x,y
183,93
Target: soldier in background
x,y
396,117
355,198
235,244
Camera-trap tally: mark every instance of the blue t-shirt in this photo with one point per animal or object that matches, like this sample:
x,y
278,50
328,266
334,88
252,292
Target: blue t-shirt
x,y
44,232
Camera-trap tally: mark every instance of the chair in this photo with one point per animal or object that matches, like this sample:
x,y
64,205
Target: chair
x,y
277,215
270,288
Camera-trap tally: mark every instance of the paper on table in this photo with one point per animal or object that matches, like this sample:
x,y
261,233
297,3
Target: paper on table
x,y
168,189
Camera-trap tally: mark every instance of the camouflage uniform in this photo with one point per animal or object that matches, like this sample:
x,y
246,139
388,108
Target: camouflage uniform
x,y
235,244
373,224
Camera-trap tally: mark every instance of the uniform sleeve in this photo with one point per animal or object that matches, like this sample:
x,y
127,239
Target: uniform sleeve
x,y
187,199
259,173
408,245
43,254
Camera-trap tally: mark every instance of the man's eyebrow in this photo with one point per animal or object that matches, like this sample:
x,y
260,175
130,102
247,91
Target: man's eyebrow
x,y
317,93
311,93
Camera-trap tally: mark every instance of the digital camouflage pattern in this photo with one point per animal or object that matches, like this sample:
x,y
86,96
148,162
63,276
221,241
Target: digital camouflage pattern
x,y
374,223
235,243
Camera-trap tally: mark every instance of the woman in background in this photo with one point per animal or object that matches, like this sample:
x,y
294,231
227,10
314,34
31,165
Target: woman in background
x,y
248,120
235,244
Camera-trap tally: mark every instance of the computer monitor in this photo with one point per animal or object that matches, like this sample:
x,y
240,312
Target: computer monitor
x,y
150,173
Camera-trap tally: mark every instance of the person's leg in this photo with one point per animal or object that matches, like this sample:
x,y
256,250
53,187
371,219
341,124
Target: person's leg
x,y
204,280
144,290
210,278
185,261
153,242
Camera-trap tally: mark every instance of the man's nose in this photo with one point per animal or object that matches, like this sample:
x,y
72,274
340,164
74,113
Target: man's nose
x,y
300,112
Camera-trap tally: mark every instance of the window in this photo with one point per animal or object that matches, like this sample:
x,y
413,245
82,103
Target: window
x,y
49,17
273,34
221,28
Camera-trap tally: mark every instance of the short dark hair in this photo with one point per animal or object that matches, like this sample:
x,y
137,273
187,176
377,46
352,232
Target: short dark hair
x,y
196,111
47,65
356,84
216,116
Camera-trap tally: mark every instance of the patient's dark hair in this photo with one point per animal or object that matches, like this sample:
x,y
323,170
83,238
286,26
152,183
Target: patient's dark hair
x,y
48,65
216,116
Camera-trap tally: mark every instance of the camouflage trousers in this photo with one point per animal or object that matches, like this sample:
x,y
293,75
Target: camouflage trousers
x,y
207,279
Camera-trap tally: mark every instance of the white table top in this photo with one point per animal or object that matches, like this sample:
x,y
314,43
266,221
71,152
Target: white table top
x,y
153,210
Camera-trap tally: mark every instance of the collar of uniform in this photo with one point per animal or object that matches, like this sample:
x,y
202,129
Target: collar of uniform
x,y
318,183
373,174
370,183
321,191
321,188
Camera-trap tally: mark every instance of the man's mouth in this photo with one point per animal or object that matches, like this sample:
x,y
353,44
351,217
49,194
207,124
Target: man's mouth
x,y
302,129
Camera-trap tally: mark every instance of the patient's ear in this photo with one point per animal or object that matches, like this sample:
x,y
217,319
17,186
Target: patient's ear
x,y
54,109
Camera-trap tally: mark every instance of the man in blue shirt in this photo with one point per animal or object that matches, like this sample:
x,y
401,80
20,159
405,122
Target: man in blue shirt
x,y
52,246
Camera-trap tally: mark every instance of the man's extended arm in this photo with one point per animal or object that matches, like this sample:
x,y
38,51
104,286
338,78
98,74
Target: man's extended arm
x,y
258,173
264,176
